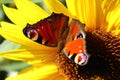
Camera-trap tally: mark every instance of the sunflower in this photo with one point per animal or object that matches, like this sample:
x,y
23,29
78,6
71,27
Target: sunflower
x,y
102,27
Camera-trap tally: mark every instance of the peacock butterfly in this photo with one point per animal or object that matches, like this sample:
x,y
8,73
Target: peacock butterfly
x,y
55,30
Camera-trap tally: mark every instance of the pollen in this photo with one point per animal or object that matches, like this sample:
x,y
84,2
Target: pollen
x,y
104,61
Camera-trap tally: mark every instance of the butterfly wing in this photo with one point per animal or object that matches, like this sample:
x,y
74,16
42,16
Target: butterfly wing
x,y
59,25
75,48
48,31
76,28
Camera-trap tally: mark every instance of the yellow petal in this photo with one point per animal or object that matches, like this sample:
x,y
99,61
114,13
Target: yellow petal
x,y
15,16
57,7
14,33
116,32
112,9
109,5
87,12
31,11
100,17
54,76
42,73
71,4
30,56
113,19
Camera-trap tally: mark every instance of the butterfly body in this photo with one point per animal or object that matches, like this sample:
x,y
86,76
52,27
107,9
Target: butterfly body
x,y
55,30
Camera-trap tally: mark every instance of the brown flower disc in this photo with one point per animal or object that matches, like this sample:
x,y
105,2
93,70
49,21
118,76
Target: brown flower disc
x,y
104,62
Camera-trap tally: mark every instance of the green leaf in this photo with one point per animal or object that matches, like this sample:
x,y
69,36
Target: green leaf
x,y
1,13
11,1
7,45
6,1
13,66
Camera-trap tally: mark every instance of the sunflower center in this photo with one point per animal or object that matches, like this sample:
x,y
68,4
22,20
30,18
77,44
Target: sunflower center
x,y
104,61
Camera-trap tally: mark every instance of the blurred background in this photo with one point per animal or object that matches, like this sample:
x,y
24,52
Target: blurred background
x,y
9,67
